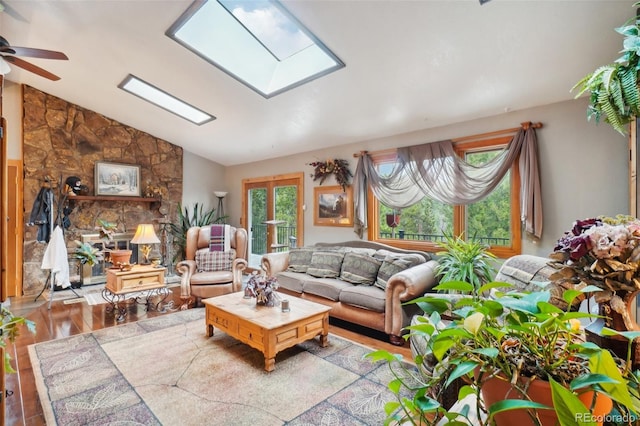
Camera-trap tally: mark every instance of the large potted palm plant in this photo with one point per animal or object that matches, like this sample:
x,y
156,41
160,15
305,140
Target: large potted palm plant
x,y
614,96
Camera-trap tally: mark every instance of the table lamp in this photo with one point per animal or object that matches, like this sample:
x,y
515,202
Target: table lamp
x,y
145,235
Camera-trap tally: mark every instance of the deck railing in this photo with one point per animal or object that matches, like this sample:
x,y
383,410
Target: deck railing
x,y
259,242
437,238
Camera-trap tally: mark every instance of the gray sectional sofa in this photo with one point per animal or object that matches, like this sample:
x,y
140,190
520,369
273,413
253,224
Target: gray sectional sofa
x,y
364,282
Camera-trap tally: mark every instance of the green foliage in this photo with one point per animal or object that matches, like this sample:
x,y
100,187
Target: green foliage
x,y
467,261
9,329
87,253
614,87
186,220
286,204
518,337
107,229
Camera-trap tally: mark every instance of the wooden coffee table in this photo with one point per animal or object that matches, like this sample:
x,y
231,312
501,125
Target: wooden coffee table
x,y
268,330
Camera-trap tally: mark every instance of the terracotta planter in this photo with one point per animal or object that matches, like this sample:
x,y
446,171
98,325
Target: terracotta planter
x,y
119,257
495,389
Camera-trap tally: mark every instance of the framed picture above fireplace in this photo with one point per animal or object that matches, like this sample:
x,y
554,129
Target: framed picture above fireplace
x,y
117,179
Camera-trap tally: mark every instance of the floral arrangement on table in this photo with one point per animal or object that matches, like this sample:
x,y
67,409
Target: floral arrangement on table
x,y
263,288
603,252
337,167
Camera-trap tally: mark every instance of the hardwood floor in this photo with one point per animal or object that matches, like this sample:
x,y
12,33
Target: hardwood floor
x,y
67,319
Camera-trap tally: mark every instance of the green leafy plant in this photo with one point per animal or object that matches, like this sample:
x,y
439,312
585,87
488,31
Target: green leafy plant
x,y
614,87
87,253
462,260
516,338
187,219
9,330
106,229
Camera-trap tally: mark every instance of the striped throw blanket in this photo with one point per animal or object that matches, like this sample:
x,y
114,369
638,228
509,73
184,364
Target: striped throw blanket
x,y
220,240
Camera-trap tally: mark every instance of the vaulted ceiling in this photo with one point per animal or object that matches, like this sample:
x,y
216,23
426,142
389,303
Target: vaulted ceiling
x,y
410,65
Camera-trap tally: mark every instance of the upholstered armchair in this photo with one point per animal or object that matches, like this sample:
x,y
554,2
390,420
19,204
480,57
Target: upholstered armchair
x,y
206,273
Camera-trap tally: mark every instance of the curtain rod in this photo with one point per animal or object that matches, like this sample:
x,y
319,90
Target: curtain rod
x,y
526,125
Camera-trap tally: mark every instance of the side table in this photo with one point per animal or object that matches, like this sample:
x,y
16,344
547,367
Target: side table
x,y
141,283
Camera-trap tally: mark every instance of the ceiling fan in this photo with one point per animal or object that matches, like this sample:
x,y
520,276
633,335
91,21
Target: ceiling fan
x,y
9,54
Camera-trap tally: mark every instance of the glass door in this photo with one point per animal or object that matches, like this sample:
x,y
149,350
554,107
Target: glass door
x,y
272,214
256,224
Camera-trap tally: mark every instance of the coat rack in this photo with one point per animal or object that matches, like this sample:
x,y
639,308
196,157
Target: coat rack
x,y
54,221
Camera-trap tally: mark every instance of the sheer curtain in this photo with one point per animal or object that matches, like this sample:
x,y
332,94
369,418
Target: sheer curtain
x,y
434,170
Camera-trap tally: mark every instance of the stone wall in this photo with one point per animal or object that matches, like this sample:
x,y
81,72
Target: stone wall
x,y
61,139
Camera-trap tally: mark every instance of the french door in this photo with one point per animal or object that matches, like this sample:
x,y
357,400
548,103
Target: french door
x,y
272,214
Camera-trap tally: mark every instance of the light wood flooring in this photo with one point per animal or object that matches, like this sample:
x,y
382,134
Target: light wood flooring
x,y
67,319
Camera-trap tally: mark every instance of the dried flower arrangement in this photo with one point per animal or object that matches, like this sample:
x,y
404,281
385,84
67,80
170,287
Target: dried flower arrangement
x,y
337,167
263,288
603,252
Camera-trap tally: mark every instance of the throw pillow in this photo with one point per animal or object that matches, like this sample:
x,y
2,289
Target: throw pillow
x,y
207,261
325,264
300,259
359,268
392,265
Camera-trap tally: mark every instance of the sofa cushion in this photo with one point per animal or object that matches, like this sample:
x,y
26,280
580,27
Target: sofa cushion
x,y
207,261
300,259
523,270
329,288
211,277
394,264
325,264
291,281
359,268
367,297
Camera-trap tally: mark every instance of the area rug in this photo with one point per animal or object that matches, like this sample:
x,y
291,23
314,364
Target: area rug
x,y
166,371
76,293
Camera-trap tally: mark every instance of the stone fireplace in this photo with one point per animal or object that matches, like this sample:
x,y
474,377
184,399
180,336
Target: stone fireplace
x,y
61,139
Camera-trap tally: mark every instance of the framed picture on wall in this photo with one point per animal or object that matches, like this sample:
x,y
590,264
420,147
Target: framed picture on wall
x,y
117,179
332,206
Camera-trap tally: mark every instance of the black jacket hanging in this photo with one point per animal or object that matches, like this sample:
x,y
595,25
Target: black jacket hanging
x,y
41,214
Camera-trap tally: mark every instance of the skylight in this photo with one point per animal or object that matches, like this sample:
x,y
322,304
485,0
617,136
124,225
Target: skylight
x,y
150,93
258,42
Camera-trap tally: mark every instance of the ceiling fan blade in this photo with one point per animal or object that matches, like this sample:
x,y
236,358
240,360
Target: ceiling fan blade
x,y
30,67
34,53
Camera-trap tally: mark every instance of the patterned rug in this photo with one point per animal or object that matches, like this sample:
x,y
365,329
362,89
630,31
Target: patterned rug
x,y
165,371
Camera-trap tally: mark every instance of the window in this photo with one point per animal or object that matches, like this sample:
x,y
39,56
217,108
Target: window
x,y
164,100
494,220
257,42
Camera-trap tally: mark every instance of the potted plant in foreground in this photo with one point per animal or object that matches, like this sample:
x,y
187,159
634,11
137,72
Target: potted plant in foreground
x,y
9,329
515,341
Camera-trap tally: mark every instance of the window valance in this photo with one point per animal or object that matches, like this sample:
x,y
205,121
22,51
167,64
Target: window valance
x,y
435,170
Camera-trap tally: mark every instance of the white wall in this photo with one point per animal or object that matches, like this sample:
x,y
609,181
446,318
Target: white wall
x,y
12,111
584,169
200,177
